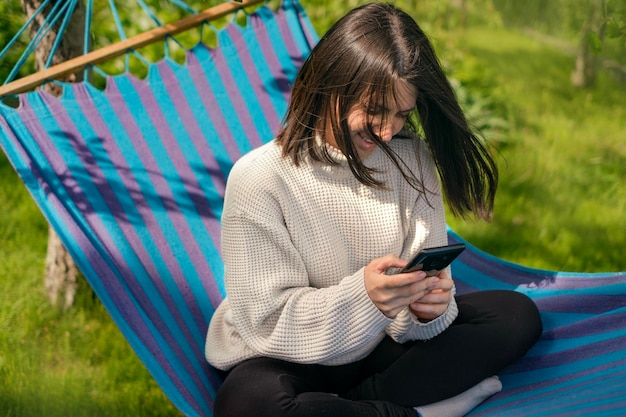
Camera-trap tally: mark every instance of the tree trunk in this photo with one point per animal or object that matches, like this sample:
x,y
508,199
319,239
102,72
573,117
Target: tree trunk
x,y
61,272
584,73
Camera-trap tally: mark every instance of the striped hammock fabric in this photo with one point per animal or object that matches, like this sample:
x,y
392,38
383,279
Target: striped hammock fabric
x,y
132,179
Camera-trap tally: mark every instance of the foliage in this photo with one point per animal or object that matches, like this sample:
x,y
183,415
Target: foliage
x,y
565,19
562,194
11,20
52,364
612,25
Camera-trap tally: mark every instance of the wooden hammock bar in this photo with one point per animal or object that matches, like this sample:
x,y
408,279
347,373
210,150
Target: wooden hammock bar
x,y
106,53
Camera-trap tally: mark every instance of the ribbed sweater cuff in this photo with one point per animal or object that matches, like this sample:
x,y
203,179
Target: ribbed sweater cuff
x,y
434,327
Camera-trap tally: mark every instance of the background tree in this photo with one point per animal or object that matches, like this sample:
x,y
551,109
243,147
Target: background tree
x,y
61,273
592,35
61,276
592,31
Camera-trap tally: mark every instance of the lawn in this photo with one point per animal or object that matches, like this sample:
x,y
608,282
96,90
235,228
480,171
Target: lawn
x,y
562,198
58,364
561,205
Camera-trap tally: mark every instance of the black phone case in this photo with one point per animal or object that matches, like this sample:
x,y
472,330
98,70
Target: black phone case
x,y
433,260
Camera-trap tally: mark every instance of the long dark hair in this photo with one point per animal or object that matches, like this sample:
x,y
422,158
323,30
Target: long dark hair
x,y
361,57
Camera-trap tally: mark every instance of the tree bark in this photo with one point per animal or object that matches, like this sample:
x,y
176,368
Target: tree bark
x,y
61,273
584,73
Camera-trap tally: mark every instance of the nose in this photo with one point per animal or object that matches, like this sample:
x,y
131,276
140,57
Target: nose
x,y
390,128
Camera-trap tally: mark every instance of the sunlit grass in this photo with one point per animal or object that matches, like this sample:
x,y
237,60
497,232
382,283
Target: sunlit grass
x,y
52,363
562,201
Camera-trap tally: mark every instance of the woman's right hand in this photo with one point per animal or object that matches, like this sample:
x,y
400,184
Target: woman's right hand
x,y
392,293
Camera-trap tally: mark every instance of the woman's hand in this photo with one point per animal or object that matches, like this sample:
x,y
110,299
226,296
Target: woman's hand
x,y
435,303
392,293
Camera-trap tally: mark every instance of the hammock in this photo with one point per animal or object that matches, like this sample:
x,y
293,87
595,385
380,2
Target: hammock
x,y
132,180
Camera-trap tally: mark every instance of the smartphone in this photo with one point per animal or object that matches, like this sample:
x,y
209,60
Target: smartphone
x,y
433,260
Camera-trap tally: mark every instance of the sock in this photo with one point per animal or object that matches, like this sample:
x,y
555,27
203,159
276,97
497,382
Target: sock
x,y
461,404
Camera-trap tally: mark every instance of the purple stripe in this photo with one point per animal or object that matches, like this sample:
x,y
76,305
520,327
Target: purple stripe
x,y
184,111
260,92
304,26
288,37
535,392
563,281
152,225
581,303
588,327
505,272
575,354
230,84
580,402
115,291
514,274
493,267
117,257
587,405
132,317
282,83
99,179
193,188
462,287
214,109
138,140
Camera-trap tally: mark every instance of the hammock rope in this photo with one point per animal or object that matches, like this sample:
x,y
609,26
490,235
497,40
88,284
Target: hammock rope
x,y
55,13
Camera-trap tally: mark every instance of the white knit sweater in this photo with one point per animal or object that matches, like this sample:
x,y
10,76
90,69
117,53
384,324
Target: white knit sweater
x,y
295,241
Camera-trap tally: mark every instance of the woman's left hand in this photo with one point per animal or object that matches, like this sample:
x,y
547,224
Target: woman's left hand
x,y
434,303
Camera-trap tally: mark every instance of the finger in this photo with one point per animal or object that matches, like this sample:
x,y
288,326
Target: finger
x,y
405,284
443,280
443,285
443,274
434,292
382,264
435,298
428,310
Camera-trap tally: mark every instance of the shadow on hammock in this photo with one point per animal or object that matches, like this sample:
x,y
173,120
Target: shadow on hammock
x,y
96,184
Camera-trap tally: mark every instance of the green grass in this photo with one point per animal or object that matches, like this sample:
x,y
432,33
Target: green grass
x,y
52,363
562,198
561,205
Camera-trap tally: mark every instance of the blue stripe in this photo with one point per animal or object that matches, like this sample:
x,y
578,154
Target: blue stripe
x,y
185,145
101,207
279,48
476,278
205,64
244,87
552,320
231,115
85,261
141,176
299,26
261,66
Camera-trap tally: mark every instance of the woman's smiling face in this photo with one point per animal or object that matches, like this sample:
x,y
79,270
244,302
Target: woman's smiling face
x,y
385,121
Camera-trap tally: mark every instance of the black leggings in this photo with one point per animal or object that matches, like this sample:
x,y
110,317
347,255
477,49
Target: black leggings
x,y
492,330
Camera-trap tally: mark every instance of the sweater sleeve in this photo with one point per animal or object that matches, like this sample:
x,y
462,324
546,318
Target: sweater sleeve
x,y
275,309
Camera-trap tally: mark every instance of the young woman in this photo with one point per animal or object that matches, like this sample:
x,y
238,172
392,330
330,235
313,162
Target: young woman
x,y
316,224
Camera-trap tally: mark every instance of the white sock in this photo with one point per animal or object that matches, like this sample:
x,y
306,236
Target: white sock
x,y
461,404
